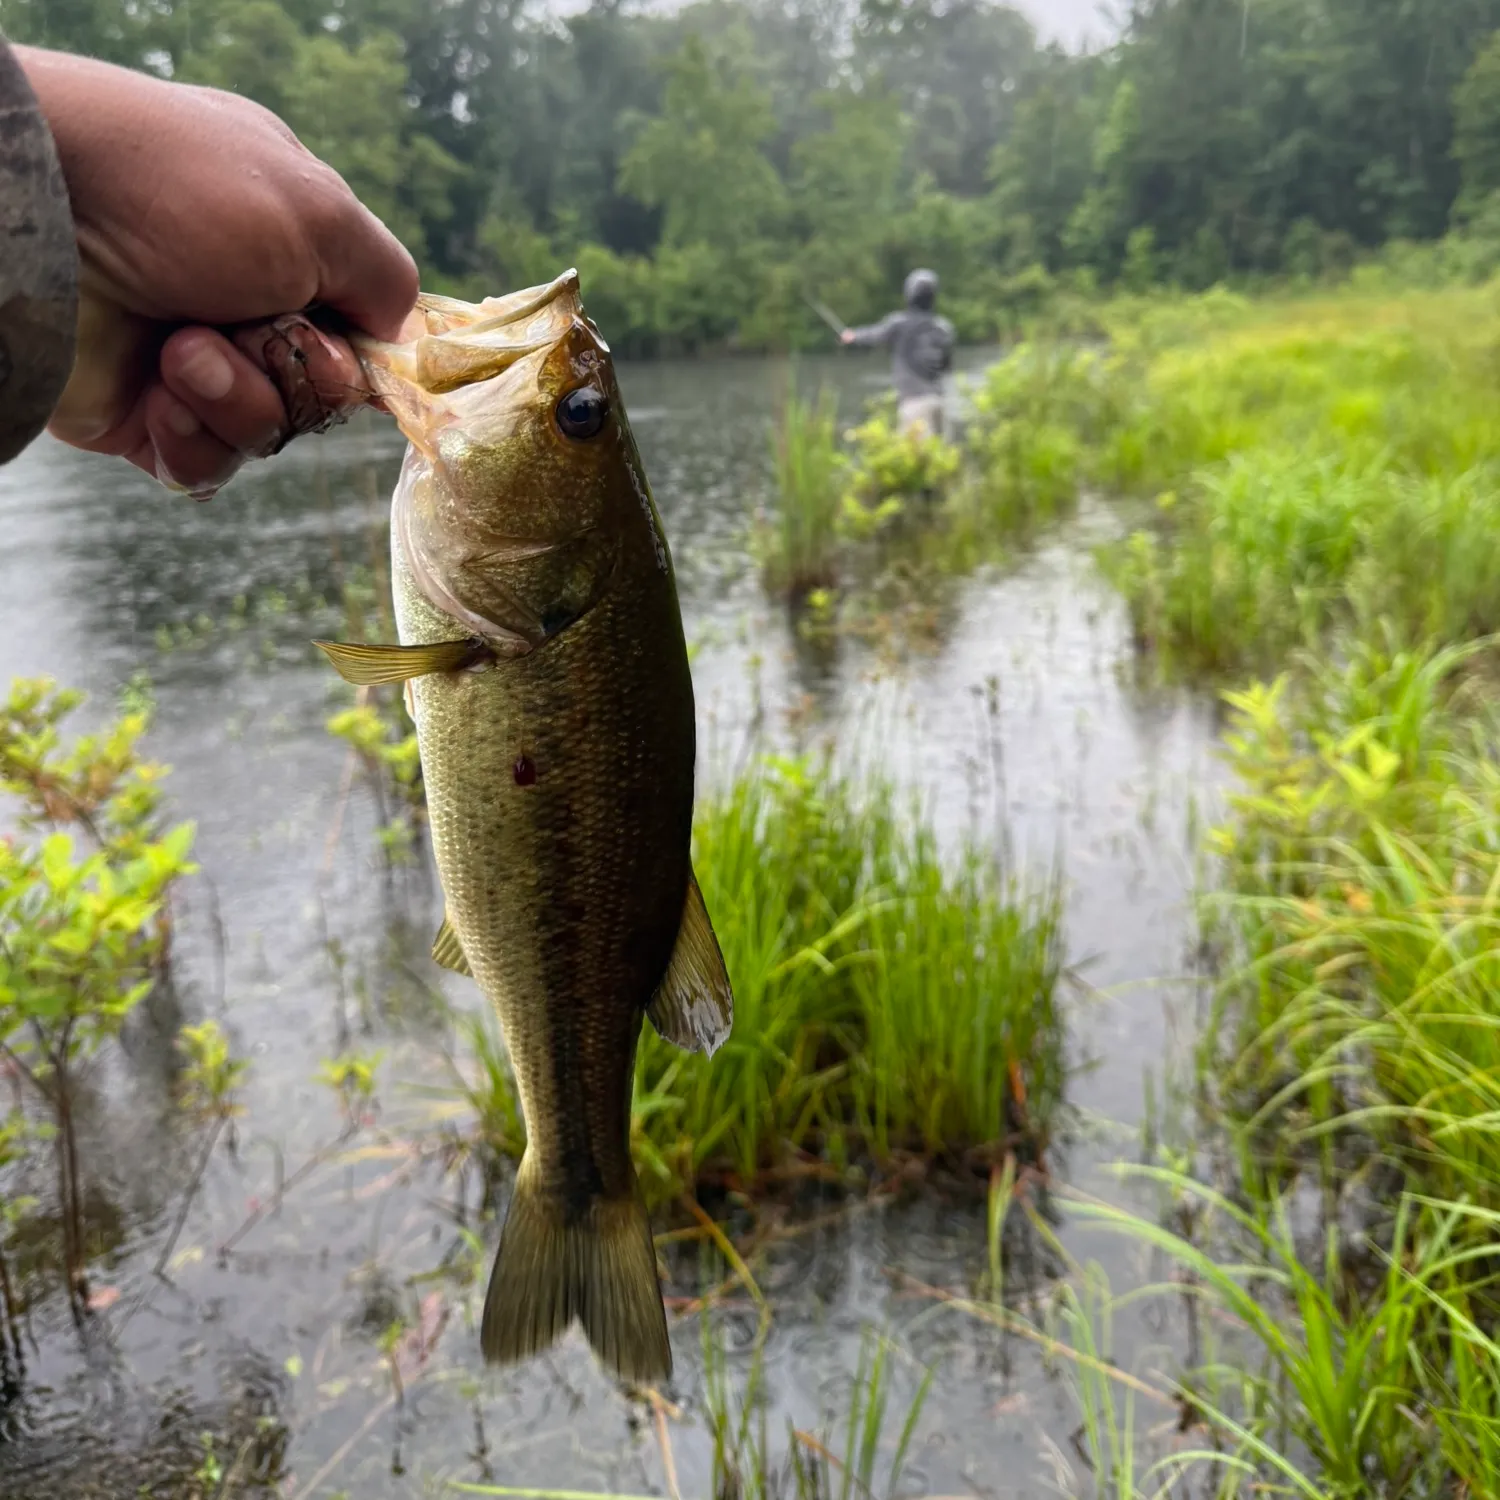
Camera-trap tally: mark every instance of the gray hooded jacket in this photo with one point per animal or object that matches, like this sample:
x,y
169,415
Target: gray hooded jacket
x,y
921,341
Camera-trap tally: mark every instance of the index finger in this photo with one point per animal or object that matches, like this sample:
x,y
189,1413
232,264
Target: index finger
x,y
364,271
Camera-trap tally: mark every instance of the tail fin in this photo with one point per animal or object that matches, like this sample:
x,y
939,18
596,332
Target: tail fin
x,y
600,1270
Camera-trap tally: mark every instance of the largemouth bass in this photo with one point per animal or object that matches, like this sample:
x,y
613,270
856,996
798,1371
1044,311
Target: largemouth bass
x,y
547,674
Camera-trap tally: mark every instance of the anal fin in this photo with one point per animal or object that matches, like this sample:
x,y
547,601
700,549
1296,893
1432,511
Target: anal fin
x,y
366,665
693,1007
448,951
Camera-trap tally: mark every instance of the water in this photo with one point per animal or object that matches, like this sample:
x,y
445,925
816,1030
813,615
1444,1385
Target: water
x,y
1023,720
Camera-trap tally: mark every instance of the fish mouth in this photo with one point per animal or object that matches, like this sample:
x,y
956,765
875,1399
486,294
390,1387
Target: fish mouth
x,y
466,342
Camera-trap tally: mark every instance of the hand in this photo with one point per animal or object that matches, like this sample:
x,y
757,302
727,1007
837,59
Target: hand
x,y
847,336
196,210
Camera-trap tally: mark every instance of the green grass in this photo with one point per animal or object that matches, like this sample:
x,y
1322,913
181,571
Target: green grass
x,y
1317,465
799,546
1354,1046
1035,415
887,1000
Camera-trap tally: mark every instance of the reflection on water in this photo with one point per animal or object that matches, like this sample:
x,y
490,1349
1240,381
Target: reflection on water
x,y
1021,727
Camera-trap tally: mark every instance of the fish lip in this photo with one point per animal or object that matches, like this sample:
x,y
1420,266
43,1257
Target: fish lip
x,y
514,307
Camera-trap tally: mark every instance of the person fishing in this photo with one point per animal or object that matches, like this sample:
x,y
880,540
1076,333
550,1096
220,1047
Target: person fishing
x,y
921,354
150,234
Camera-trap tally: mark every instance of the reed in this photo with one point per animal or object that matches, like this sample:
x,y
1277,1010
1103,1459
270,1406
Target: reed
x,y
887,1000
1316,466
798,546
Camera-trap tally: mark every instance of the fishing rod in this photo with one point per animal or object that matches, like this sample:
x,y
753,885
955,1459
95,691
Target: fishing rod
x,y
829,318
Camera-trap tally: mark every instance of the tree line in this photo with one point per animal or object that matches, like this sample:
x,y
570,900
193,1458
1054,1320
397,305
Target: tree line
x,y
710,168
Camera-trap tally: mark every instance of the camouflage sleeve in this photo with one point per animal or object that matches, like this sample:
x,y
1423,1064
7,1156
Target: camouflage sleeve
x,y
38,266
876,333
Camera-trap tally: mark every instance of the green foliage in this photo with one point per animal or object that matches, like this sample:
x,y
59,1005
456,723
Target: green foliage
x,y
83,904
352,1077
1034,415
1333,1387
1314,466
828,495
211,1076
377,730
811,1469
1362,862
1476,127
892,470
1352,1050
886,1000
798,548
706,166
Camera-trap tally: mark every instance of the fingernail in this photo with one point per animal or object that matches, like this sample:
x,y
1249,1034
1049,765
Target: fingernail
x,y
207,373
180,420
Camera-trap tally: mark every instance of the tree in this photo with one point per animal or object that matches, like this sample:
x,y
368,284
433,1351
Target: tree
x,y
1476,128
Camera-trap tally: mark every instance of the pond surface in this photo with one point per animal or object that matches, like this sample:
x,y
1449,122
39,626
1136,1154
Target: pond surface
x,y
1021,724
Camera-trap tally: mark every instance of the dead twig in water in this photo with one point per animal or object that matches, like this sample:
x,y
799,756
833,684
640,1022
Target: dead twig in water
x,y
336,827
345,1448
187,1198
664,1441
285,1184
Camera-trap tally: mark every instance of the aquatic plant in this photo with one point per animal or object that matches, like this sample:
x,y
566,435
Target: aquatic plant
x,y
813,1467
891,471
13,1207
383,741
1353,1045
887,1001
84,908
1363,914
1325,1383
1035,414
1316,466
798,546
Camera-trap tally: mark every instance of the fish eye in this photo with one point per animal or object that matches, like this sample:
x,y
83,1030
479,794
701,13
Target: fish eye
x,y
581,412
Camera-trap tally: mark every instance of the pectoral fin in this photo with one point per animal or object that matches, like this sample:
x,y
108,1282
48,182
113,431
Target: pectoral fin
x,y
694,1007
448,951
365,665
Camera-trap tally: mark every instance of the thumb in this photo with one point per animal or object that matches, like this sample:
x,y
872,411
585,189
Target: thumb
x,y
116,350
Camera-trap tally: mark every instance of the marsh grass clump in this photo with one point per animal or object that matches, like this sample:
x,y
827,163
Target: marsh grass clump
x,y
1354,1047
1308,1375
865,1462
892,474
1316,466
798,546
1362,916
1036,415
887,1001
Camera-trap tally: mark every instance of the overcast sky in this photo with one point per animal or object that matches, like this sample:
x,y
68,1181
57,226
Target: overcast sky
x,y
1070,21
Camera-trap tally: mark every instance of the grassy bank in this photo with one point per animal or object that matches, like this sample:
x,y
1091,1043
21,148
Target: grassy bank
x,y
1348,1076
889,1003
1315,466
